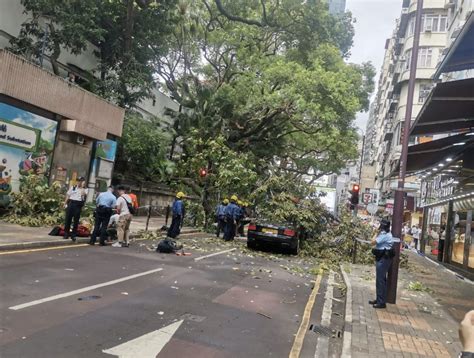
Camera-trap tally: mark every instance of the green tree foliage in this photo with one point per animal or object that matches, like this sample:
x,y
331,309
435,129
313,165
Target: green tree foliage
x,y
270,79
126,35
37,203
142,149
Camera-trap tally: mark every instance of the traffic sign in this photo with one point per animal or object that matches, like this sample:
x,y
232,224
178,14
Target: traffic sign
x,y
372,208
367,198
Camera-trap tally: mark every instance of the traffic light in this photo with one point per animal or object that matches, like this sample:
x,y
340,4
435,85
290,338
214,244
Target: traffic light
x,y
203,172
355,194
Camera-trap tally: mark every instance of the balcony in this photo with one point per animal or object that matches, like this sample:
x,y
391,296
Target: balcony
x,y
80,111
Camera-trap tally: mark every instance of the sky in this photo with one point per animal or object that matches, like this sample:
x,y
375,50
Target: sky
x,y
375,21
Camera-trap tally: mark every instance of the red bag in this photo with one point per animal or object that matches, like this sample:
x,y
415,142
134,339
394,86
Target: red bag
x,y
83,231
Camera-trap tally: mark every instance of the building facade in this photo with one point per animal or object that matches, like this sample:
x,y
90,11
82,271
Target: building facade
x,y
66,148
391,98
337,7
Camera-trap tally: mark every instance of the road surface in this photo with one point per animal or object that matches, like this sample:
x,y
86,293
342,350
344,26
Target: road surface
x,y
132,302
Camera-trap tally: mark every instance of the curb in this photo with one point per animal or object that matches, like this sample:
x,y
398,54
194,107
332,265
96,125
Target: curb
x,y
62,242
347,338
39,244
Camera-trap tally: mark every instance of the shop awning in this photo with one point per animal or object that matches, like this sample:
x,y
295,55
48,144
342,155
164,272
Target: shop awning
x,y
429,154
449,107
460,55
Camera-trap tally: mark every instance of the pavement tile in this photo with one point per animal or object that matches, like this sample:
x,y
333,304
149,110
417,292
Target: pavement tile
x,y
417,326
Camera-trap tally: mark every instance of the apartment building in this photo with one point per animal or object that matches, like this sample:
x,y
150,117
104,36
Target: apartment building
x,y
337,7
391,99
78,130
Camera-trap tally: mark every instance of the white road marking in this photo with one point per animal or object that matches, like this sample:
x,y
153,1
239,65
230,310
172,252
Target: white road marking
x,y
347,338
146,346
81,290
214,254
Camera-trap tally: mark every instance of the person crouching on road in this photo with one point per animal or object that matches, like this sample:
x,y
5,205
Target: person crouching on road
x,y
124,203
178,216
220,216
231,212
105,203
75,198
384,254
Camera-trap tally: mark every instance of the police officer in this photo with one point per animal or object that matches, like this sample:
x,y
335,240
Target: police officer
x,y
75,199
178,216
231,213
220,216
105,202
384,253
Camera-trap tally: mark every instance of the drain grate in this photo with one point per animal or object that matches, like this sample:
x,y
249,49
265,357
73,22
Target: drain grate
x,y
324,331
89,298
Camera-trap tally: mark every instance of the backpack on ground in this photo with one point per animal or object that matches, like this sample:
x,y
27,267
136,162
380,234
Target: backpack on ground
x,y
168,246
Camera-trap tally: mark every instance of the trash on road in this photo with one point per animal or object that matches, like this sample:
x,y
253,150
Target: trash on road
x,y
264,315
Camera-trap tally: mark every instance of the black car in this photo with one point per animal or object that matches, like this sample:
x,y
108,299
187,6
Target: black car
x,y
272,235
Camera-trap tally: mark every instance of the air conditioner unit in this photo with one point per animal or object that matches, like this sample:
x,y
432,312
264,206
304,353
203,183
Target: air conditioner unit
x,y
428,28
403,59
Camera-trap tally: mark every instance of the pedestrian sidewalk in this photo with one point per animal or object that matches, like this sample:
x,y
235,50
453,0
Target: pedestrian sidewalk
x,y
419,325
17,237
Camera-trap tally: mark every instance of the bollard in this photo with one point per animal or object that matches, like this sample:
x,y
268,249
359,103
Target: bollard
x,y
148,217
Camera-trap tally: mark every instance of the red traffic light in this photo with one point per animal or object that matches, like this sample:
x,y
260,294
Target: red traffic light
x,y
202,172
355,188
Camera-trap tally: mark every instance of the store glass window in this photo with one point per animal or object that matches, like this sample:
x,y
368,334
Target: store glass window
x,y
459,237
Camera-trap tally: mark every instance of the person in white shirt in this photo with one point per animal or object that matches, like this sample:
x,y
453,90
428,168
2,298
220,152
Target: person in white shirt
x,y
415,232
125,218
112,227
75,199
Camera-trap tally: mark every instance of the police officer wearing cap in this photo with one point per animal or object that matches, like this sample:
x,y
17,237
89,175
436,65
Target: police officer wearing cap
x,y
75,199
384,254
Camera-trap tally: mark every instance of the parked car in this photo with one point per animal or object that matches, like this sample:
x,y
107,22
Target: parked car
x,y
273,235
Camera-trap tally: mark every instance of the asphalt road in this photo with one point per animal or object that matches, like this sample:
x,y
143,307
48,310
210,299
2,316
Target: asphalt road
x,y
82,301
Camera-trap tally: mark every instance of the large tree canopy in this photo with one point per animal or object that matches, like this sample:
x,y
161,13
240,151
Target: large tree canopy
x,y
269,77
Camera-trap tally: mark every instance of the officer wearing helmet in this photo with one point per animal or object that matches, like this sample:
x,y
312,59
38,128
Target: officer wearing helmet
x,y
384,254
231,213
220,216
178,216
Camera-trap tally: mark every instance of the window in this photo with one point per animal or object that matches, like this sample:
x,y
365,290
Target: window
x,y
434,23
423,93
425,57
407,59
429,23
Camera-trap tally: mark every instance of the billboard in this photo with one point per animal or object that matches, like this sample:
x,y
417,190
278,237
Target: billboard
x,y
26,147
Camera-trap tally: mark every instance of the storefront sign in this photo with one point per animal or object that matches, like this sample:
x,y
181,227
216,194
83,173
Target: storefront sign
x,y
18,135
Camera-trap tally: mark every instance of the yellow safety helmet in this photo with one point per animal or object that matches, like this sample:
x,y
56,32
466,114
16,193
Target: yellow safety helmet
x,y
180,195
234,198
225,201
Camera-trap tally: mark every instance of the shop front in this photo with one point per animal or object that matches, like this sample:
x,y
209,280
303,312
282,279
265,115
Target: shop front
x,y
52,128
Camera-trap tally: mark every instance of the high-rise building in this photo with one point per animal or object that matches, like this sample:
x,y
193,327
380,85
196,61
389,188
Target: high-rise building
x,y
391,99
337,7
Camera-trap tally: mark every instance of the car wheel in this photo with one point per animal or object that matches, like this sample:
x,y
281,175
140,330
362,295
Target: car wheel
x,y
251,245
296,249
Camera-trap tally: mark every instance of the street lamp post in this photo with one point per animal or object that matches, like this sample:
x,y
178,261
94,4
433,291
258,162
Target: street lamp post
x,y
398,209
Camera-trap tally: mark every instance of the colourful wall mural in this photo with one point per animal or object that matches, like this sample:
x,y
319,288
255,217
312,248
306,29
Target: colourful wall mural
x,y
26,147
